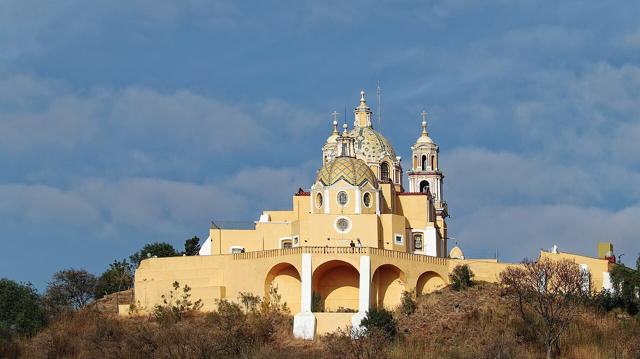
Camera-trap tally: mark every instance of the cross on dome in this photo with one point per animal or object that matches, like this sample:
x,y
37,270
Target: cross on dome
x,y
424,122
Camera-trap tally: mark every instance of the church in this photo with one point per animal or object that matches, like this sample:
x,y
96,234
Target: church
x,y
356,239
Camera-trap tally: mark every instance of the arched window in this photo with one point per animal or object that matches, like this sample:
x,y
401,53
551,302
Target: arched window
x,y
424,162
415,162
319,200
384,172
424,186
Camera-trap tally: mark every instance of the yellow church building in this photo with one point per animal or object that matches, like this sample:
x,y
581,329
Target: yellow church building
x,y
356,239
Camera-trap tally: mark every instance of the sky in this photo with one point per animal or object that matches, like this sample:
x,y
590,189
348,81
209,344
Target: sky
x,y
129,122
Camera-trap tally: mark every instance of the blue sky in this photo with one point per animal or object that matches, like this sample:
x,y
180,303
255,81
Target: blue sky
x,y
126,122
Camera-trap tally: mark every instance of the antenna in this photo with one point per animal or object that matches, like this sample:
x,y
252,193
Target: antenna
x,y
378,93
345,113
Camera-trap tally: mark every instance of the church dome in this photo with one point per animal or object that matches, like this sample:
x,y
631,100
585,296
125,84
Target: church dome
x,y
350,169
456,253
370,144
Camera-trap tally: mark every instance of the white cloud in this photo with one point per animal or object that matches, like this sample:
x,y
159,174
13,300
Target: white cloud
x,y
479,177
521,231
41,205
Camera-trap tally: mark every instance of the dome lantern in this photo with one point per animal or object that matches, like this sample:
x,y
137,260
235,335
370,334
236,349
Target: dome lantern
x,y
362,113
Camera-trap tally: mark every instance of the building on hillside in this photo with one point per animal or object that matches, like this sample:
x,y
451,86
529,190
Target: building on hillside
x,y
355,240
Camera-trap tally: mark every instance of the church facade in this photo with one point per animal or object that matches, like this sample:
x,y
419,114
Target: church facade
x,y
356,239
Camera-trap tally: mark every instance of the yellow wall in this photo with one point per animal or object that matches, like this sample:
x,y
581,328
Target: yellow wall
x,y
328,322
596,266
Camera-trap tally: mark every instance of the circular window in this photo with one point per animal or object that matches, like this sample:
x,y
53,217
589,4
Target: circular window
x,y
367,199
343,198
343,225
319,200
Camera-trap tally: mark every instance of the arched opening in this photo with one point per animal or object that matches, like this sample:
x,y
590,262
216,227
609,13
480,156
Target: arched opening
x,y
415,162
384,172
336,284
285,279
387,286
424,186
424,162
429,282
433,162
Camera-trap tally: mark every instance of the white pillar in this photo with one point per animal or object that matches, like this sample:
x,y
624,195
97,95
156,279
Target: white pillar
x,y
304,323
606,282
378,205
358,201
305,295
326,201
430,244
364,294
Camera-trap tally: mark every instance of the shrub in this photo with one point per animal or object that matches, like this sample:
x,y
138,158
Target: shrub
x,y
250,301
317,304
607,301
407,304
461,277
175,305
380,320
341,344
273,302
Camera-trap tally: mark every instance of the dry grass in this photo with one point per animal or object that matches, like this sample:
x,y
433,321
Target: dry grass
x,y
475,323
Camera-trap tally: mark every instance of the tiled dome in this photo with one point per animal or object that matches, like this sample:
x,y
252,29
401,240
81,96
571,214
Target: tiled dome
x,y
370,144
350,169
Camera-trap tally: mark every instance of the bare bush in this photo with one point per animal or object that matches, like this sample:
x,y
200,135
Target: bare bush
x,y
175,305
547,293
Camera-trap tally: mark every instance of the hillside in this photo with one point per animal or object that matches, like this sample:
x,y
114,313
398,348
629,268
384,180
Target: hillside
x,y
474,323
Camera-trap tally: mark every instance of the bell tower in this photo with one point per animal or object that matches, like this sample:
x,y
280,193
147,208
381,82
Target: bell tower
x,y
425,174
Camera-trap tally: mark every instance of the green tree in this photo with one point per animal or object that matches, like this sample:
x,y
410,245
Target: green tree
x,y
192,246
461,277
117,278
156,249
73,288
626,285
20,309
638,263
